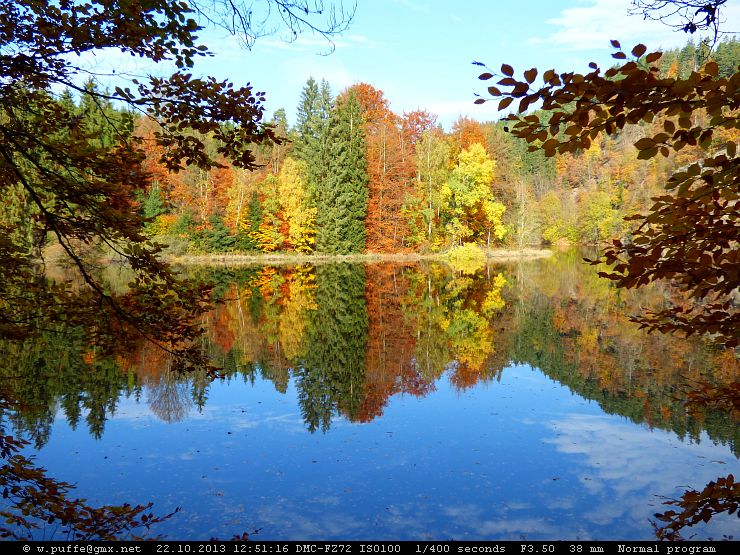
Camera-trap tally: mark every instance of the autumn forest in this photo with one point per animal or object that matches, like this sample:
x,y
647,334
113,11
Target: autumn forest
x,y
351,176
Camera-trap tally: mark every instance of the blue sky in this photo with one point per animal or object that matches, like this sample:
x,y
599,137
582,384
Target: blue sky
x,y
419,52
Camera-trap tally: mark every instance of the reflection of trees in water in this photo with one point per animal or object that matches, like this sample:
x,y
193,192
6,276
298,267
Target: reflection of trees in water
x,y
352,336
575,328
169,397
56,371
331,378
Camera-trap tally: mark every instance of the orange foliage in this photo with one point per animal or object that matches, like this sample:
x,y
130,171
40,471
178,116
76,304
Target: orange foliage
x,y
218,324
391,342
145,129
415,123
465,133
223,179
390,168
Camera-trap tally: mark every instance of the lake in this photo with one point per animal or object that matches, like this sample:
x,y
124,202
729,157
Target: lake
x,y
391,401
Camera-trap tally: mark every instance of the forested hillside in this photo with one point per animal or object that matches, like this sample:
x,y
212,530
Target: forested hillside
x,y
350,176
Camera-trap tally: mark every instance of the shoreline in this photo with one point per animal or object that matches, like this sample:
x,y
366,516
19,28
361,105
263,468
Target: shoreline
x,y
494,255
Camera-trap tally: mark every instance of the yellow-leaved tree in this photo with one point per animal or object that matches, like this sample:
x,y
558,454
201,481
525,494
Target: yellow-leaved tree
x,y
294,200
468,205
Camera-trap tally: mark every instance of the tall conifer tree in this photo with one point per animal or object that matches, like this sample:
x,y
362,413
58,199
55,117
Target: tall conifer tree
x,y
341,198
313,113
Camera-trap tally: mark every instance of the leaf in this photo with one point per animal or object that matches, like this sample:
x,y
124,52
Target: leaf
x,y
653,57
619,56
493,91
647,154
644,143
731,149
639,50
505,103
711,68
480,101
530,75
615,44
507,70
485,76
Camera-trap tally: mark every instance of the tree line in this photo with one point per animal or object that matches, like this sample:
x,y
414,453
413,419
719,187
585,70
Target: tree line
x,y
351,176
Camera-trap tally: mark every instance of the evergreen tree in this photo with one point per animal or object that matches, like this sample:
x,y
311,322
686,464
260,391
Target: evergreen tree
x,y
280,121
687,60
107,125
341,198
153,204
727,56
311,132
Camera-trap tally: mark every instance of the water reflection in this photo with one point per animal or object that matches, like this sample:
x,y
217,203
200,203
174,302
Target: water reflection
x,y
438,363
352,336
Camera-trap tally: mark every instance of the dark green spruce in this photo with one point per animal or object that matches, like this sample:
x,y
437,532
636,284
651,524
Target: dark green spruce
x,y
342,197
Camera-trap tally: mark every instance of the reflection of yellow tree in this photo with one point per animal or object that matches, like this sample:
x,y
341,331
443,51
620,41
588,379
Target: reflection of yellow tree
x,y
454,319
471,338
294,316
469,325
269,319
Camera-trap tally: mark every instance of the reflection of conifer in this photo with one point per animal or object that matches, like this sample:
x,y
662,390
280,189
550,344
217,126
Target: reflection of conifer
x,y
315,399
56,370
332,377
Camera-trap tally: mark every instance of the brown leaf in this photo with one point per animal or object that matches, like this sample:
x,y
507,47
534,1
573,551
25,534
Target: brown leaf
x,y
639,50
505,102
644,143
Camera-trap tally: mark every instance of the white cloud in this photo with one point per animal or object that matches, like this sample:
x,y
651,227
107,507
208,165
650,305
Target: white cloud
x,y
614,467
593,24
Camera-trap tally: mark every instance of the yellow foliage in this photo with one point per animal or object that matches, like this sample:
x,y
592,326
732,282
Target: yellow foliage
x,y
467,259
162,225
293,319
267,237
493,300
293,198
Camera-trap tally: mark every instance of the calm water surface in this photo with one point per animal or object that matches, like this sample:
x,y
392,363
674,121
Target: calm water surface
x,y
394,402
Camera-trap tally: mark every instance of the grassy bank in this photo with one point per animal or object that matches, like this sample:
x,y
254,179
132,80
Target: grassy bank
x,y
232,259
